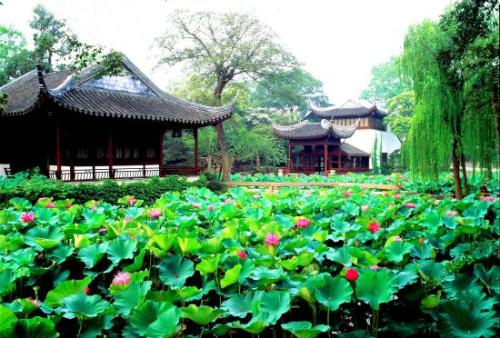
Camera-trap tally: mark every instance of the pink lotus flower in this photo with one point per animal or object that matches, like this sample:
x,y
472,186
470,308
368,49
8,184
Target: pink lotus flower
x,y
272,239
121,278
196,205
302,222
256,196
374,227
27,217
242,254
102,230
398,239
410,205
86,290
452,213
351,275
51,205
210,208
154,213
347,194
396,196
228,201
364,208
131,201
35,302
489,198
374,267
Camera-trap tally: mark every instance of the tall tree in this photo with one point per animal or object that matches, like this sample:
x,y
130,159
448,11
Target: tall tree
x,y
400,109
225,46
15,58
50,37
288,89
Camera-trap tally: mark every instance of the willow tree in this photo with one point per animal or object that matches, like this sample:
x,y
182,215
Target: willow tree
x,y
432,138
222,47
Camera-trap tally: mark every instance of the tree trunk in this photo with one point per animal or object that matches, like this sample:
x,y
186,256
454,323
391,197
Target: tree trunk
x,y
221,138
257,162
456,170
464,174
209,163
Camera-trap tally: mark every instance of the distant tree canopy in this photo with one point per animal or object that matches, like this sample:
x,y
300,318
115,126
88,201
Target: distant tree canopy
x,y
222,46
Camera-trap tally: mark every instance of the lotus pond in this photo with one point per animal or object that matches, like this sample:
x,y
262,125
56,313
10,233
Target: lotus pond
x,y
304,263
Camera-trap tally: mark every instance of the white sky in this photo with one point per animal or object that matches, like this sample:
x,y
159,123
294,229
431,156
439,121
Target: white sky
x,y
338,41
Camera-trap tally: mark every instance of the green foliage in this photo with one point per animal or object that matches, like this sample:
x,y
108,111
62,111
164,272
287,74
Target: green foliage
x,y
400,109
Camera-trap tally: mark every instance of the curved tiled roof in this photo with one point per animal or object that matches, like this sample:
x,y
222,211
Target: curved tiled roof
x,y
350,108
69,91
306,130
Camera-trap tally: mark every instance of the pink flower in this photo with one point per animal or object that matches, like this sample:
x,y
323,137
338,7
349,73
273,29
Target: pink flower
x,y
127,219
242,254
102,230
398,239
272,239
86,290
410,205
256,196
35,302
27,217
51,205
302,222
121,278
196,205
364,208
396,196
347,194
374,227
154,213
452,213
374,267
131,201
228,201
210,208
351,275
489,198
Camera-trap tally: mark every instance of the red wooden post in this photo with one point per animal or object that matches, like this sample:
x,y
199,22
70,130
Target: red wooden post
x,y
196,161
325,155
289,158
58,153
71,159
110,155
162,136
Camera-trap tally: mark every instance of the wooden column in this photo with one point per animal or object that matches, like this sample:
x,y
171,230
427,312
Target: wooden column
x,y
110,155
93,172
162,136
58,153
340,158
72,155
196,161
289,158
325,156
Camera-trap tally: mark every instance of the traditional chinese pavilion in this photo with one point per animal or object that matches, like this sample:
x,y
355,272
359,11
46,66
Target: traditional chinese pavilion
x,y
339,138
86,126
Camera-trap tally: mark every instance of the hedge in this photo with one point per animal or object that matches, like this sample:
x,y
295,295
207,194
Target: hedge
x,y
32,186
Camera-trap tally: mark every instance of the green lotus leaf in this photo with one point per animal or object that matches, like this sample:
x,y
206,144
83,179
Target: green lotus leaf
x,y
188,245
201,315
121,248
24,257
36,327
261,272
82,306
255,326
174,271
128,298
7,323
491,279
341,256
208,265
60,254
92,254
159,244
7,278
12,242
461,283
304,329
272,305
362,257
20,203
433,271
396,251
423,251
375,287
231,276
430,302
137,263
241,305
46,237
155,319
332,291
404,278
67,288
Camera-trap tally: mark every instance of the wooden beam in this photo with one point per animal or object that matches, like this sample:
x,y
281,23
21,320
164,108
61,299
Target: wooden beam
x,y
196,160
58,153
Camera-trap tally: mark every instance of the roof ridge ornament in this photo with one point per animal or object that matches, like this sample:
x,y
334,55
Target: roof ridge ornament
x,y
41,81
